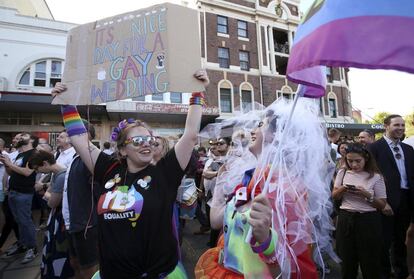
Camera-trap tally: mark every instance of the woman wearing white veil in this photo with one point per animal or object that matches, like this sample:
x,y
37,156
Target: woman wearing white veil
x,y
291,214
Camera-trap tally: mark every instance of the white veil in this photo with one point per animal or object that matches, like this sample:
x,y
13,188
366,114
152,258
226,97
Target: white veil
x,y
295,153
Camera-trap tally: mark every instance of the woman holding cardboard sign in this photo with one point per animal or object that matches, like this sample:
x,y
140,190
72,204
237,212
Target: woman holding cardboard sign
x,y
135,198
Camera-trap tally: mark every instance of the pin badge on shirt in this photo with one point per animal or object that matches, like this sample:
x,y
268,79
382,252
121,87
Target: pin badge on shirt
x,y
241,194
144,183
113,181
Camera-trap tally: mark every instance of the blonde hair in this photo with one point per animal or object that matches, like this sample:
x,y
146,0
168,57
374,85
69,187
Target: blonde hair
x,y
165,145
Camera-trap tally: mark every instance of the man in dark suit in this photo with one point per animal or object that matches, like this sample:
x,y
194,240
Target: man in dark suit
x,y
396,162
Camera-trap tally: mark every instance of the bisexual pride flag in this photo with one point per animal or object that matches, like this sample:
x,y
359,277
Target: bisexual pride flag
x,y
370,34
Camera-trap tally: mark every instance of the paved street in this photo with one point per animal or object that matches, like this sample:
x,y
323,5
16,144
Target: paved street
x,y
193,246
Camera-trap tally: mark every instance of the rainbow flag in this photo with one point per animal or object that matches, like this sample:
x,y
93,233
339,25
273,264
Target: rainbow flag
x,y
370,34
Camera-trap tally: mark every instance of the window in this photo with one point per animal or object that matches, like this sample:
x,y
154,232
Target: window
x,y
222,25
286,92
25,79
332,107
329,74
15,118
244,60
281,64
281,41
242,28
158,97
56,73
285,95
321,104
225,100
176,98
45,73
223,57
246,100
40,74
139,98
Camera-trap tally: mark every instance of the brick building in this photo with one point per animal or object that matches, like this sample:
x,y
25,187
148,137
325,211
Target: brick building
x,y
245,47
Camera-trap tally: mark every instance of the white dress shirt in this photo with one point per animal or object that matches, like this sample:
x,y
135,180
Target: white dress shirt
x,y
400,162
66,157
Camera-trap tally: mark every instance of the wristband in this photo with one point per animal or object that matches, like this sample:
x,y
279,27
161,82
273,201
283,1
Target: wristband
x,y
72,121
269,255
261,247
197,98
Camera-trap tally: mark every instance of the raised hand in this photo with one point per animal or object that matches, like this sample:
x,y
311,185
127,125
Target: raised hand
x,y
261,218
202,76
58,89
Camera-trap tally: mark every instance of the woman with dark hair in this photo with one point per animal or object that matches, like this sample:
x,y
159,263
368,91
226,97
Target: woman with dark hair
x,y
135,198
341,150
358,236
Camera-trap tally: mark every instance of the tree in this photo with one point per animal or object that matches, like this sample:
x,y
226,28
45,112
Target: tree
x,y
409,124
379,117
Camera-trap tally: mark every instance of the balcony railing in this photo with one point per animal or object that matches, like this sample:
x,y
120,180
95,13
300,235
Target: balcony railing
x,y
282,48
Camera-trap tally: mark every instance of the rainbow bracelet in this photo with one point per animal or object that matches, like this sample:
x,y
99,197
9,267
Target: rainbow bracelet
x,y
197,98
72,121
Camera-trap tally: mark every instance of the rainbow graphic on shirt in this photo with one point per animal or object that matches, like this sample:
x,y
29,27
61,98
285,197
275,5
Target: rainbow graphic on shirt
x,y
121,203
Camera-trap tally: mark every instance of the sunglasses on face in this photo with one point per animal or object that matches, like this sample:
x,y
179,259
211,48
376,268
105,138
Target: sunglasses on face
x,y
140,140
220,143
397,154
260,124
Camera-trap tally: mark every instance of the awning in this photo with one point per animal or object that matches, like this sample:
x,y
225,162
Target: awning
x,y
356,127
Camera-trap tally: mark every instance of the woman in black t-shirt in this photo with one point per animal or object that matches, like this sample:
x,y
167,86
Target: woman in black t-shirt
x,y
135,198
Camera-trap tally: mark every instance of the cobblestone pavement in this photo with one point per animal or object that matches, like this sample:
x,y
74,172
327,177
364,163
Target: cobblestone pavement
x,y
192,247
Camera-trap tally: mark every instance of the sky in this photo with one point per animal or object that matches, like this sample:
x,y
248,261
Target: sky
x,y
372,91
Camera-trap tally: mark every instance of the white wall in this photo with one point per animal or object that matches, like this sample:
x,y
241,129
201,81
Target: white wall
x,y
24,40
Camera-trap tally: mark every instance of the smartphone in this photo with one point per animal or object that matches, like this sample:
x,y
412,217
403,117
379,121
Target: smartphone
x,y
350,186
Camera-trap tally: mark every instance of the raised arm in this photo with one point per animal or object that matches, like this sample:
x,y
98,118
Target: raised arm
x,y
77,132
26,171
184,146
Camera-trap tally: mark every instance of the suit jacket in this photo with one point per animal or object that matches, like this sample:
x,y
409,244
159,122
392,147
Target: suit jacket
x,y
388,167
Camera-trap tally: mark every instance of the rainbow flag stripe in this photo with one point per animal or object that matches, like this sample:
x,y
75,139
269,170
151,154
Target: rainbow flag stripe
x,y
351,33
72,121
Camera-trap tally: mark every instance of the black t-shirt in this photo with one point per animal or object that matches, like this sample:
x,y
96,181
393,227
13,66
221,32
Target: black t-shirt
x,y
20,183
80,197
135,223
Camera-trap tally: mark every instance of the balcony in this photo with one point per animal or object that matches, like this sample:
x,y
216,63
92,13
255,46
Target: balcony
x,y
282,48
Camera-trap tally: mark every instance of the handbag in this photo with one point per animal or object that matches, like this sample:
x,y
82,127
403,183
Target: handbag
x,y
187,198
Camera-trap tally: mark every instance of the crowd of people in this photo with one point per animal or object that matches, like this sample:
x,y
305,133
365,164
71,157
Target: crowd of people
x,y
261,192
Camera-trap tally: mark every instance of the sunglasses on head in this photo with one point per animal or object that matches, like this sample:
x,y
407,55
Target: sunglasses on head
x,y
140,140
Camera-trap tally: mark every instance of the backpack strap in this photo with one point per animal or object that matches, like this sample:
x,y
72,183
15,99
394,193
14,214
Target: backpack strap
x,y
114,164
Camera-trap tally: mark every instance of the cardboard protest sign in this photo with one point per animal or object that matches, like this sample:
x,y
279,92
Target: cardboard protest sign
x,y
149,51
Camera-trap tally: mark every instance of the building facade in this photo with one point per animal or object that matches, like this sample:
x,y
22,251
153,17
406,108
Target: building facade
x,y
245,47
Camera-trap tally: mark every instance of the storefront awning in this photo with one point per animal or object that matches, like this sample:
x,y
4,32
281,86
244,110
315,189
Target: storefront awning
x,y
356,127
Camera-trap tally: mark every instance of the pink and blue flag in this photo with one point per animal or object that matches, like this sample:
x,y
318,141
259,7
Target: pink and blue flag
x,y
369,34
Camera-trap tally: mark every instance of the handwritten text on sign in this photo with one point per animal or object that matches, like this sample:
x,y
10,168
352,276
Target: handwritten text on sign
x,y
132,66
